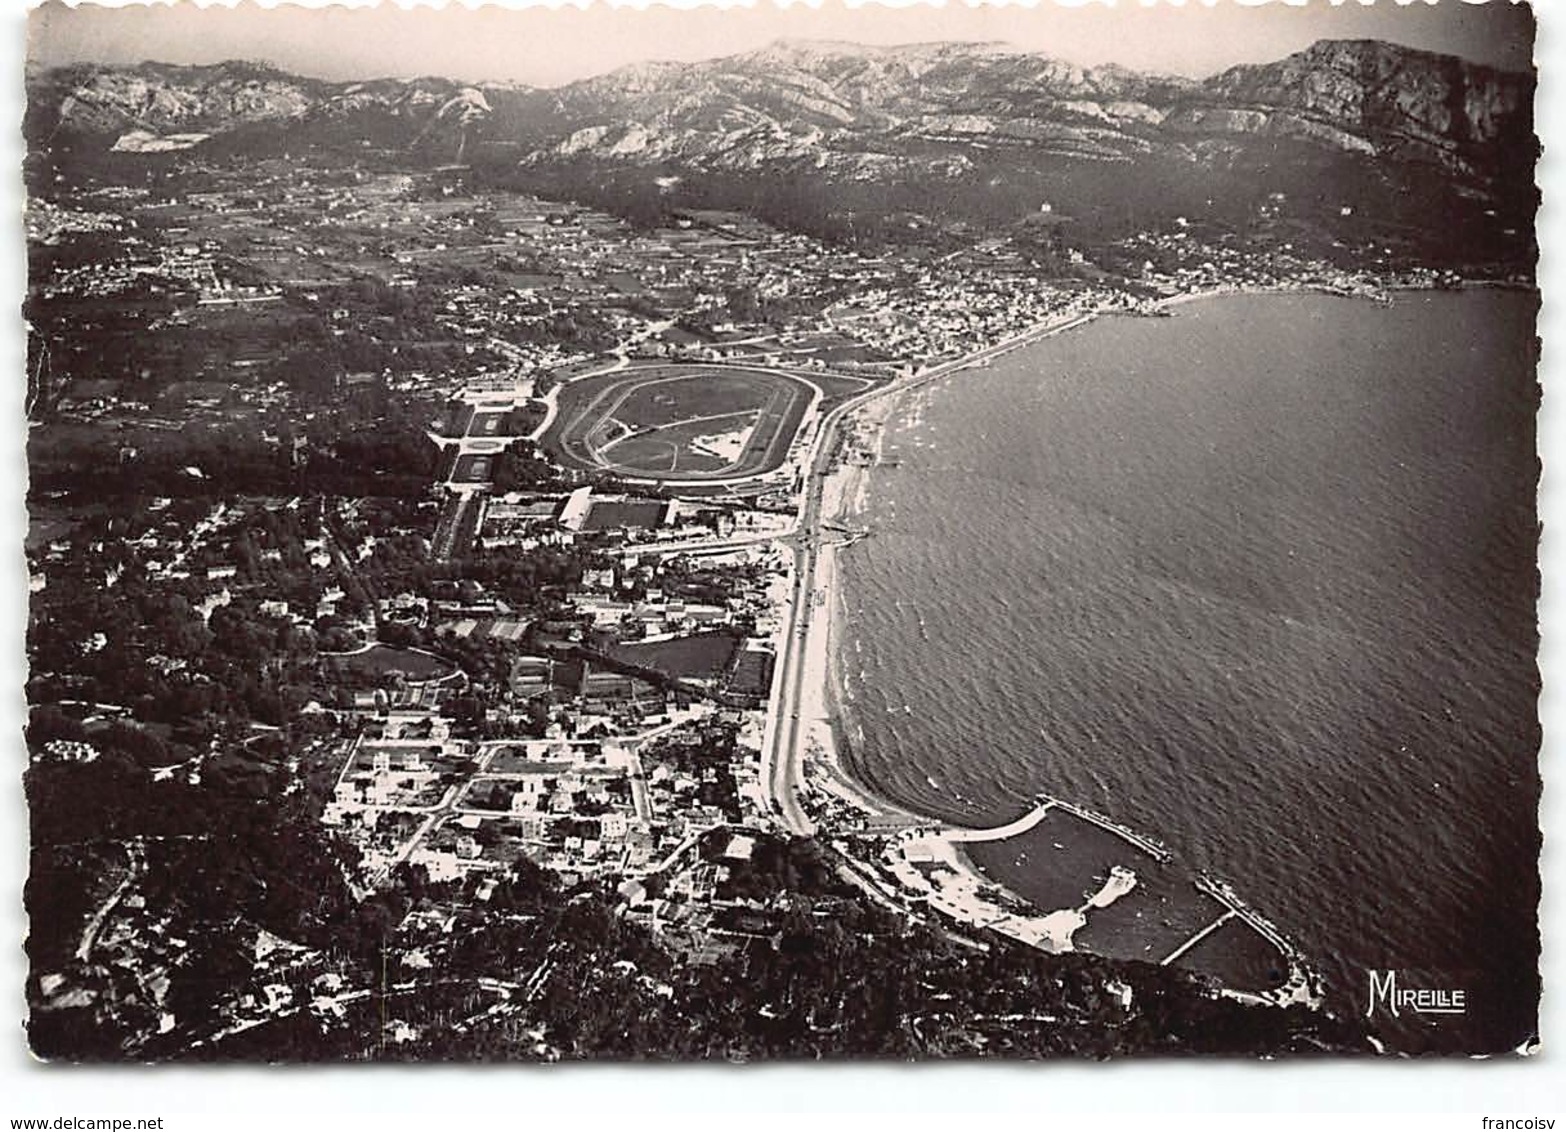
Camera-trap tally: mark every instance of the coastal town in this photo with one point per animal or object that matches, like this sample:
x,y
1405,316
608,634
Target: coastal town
x,y
651,711
433,593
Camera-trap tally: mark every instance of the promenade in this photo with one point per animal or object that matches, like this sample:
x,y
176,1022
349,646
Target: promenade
x,y
797,714
924,868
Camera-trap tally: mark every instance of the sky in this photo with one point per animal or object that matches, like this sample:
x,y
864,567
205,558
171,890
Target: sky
x,y
550,46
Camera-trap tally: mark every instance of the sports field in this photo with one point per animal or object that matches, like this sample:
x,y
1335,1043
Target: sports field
x,y
488,422
685,422
472,467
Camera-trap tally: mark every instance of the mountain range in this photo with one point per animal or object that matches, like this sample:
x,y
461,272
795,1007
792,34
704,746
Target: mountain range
x,y
1384,128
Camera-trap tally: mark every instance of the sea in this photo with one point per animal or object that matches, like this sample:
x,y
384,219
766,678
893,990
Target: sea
x,y
1258,579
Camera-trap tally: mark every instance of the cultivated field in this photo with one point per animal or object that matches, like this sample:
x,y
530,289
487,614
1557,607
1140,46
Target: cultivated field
x,y
680,422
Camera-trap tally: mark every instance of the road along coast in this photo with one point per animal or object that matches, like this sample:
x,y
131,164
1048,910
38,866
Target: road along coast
x,y
1146,907
832,487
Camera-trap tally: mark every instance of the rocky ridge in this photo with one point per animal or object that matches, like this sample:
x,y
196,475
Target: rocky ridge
x,y
1405,137
813,100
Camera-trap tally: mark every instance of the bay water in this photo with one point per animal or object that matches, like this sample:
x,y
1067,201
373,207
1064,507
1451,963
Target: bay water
x,y
1257,579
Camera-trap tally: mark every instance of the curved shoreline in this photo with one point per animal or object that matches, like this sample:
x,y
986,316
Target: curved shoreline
x,y
972,896
846,487
822,705
800,691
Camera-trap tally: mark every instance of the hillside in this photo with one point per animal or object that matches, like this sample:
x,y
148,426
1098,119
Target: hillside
x,y
981,133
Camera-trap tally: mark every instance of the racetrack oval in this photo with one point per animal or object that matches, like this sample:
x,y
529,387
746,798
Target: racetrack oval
x,y
681,423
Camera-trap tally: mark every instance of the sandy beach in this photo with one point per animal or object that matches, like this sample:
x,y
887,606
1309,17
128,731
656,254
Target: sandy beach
x,y
844,493
930,865
843,496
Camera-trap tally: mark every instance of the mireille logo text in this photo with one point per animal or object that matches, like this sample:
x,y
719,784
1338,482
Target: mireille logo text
x,y
1386,993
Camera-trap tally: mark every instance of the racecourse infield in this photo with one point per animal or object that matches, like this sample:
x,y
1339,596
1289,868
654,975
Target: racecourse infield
x,y
687,423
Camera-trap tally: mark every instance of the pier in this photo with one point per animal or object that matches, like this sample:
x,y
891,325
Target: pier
x,y
1221,893
849,534
1154,910
1198,937
1026,822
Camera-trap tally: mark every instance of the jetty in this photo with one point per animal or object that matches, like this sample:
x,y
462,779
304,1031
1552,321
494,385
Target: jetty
x,y
1228,915
1026,822
1145,844
1146,907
